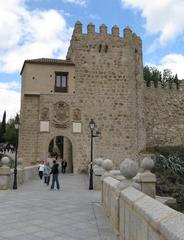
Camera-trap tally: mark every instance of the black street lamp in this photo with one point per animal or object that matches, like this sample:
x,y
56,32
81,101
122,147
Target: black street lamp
x,y
92,126
17,124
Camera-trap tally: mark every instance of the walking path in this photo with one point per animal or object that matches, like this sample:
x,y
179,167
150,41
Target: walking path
x,y
33,212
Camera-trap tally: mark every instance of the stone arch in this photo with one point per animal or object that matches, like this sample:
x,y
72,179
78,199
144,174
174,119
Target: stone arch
x,y
66,136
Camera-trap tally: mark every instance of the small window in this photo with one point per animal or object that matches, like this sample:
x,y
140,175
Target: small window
x,y
61,82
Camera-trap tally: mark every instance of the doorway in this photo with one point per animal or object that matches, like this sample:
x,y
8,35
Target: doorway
x,y
60,147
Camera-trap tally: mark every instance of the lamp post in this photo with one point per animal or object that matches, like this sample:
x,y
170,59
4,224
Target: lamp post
x,y
17,124
92,126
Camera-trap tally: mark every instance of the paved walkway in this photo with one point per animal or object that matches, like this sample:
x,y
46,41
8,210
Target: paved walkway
x,y
33,212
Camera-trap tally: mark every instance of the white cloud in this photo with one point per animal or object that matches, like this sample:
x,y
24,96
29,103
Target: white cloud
x,y
81,3
9,99
175,62
162,16
28,34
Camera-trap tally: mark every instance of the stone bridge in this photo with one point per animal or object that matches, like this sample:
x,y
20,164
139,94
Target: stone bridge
x,y
33,212
127,198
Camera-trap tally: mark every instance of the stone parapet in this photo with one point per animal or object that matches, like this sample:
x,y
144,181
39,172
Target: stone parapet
x,y
4,177
23,175
4,174
147,179
136,216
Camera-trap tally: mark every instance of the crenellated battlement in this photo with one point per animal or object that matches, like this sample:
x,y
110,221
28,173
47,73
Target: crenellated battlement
x,y
102,41
103,30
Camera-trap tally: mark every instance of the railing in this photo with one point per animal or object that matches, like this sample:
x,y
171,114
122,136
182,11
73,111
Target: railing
x,y
136,216
24,174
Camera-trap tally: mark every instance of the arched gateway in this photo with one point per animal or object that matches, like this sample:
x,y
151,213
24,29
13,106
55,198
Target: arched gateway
x,y
61,148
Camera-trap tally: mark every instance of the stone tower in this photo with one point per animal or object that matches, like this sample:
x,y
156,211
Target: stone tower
x,y
109,75
105,83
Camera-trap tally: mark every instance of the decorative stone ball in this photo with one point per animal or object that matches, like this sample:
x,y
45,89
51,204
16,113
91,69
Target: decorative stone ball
x,y
128,168
107,164
5,160
147,163
98,161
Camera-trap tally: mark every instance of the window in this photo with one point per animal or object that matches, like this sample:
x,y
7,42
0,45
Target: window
x,y
61,81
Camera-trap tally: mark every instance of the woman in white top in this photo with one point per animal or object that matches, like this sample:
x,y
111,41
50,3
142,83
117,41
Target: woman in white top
x,y
40,169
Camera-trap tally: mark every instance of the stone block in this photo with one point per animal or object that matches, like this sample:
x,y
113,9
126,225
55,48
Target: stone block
x,y
114,206
109,182
152,211
97,174
154,234
4,178
172,228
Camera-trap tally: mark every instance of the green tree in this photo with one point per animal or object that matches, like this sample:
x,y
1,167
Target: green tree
x,y
10,135
167,77
176,81
152,74
3,128
155,76
147,76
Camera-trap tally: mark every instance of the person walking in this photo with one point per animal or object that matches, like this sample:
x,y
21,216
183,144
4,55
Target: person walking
x,y
55,172
46,173
63,166
40,169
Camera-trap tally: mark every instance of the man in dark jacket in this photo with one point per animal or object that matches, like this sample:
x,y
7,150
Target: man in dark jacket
x,y
54,172
63,165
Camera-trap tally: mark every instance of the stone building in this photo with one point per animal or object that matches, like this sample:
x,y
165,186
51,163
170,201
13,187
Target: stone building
x,y
101,79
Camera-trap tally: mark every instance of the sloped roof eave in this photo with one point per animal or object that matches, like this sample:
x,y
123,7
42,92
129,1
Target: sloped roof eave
x,y
47,61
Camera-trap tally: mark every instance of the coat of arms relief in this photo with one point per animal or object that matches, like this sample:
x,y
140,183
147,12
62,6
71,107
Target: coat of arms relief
x,y
61,115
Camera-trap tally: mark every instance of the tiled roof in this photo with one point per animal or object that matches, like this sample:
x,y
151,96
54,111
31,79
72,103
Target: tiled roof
x,y
47,61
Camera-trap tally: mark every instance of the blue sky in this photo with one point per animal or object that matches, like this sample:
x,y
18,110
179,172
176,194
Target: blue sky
x,y
42,28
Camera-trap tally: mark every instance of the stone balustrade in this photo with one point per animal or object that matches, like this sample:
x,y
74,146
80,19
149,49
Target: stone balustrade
x,y
24,174
137,216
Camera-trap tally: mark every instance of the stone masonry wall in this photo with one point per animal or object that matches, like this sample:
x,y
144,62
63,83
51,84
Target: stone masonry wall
x,y
164,116
108,75
28,142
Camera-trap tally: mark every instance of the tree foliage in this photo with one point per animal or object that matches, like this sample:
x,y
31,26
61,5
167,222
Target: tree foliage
x,y
3,128
9,135
153,75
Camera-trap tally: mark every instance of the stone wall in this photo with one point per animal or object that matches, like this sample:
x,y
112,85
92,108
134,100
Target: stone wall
x,y
164,116
24,175
136,216
29,128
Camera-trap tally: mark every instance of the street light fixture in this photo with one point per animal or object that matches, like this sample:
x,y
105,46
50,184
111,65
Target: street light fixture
x,y
92,126
16,125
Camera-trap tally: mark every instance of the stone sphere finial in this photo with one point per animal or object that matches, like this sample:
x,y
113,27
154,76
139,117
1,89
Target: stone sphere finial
x,y
128,168
147,163
107,164
5,161
98,161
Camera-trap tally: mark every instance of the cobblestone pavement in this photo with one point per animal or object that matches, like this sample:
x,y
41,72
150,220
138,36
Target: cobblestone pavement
x,y
33,212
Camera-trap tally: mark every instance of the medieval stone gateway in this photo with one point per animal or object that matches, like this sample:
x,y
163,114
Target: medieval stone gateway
x,y
101,79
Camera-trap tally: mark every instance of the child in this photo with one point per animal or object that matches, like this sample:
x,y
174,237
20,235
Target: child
x,y
46,173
